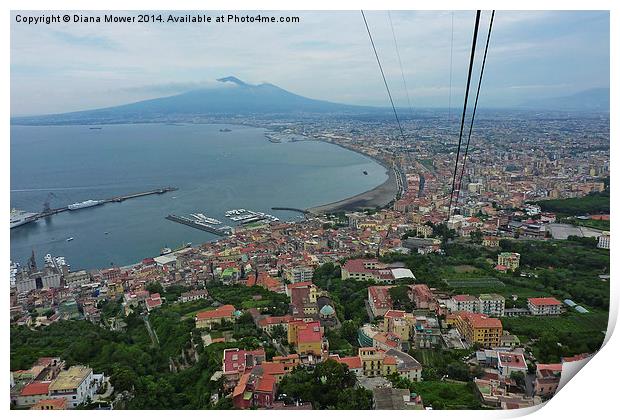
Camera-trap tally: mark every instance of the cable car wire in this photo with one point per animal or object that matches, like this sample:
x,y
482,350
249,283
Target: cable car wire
x,y
402,133
471,65
473,115
400,63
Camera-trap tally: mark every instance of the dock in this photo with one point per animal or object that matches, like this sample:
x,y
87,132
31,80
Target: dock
x,y
201,226
117,199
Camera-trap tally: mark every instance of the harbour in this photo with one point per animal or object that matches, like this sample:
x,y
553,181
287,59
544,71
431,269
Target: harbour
x,y
291,174
220,231
19,218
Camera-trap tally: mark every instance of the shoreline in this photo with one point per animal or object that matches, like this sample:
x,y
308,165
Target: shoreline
x,y
379,196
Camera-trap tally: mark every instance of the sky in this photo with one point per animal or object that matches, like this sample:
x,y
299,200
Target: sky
x,y
64,67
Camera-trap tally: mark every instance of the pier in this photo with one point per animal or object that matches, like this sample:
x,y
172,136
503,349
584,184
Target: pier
x,y
117,199
222,231
302,211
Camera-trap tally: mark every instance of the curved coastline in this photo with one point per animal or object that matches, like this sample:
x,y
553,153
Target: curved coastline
x,y
379,196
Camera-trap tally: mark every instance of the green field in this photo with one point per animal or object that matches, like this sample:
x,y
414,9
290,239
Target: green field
x,y
447,395
570,322
594,203
550,338
484,282
594,224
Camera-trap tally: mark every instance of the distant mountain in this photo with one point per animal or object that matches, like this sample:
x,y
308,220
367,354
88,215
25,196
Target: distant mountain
x,y
233,97
587,100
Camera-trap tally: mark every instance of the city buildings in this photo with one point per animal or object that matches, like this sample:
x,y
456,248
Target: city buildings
x,y
379,299
508,260
477,328
373,270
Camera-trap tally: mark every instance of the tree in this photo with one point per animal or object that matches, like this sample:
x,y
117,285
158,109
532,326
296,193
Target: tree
x,y
400,296
518,377
476,236
354,399
155,287
329,385
278,332
348,331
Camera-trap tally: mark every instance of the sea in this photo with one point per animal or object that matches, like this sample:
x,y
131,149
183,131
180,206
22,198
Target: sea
x,y
214,169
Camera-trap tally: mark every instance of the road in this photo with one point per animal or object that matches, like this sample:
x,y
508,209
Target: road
x,y
152,333
109,390
370,314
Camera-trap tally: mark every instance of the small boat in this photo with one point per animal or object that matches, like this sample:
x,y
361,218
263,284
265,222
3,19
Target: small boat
x,y
105,233
165,251
365,172
70,239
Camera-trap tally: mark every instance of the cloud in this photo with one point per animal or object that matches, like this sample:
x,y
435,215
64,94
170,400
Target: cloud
x,y
325,56
84,40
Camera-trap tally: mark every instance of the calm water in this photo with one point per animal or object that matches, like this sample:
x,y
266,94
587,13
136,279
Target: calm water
x,y
214,171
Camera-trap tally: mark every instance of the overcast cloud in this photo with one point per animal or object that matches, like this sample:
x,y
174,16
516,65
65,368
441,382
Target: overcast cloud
x,y
67,67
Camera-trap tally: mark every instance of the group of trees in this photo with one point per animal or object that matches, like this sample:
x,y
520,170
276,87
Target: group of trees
x,y
568,269
134,364
243,297
441,395
593,203
329,385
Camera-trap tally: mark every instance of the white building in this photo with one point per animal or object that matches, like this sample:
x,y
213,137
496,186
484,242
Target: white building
x,y
77,278
544,306
298,274
77,385
491,304
463,303
603,241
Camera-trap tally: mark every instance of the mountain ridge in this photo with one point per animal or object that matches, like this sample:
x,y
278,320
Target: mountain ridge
x,y
240,98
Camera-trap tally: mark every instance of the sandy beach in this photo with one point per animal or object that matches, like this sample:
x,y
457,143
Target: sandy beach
x,y
377,197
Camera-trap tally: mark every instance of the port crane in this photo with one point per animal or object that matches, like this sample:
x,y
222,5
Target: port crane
x,y
47,202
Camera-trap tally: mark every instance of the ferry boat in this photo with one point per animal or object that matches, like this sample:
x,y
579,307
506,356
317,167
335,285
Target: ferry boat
x,y
21,217
84,204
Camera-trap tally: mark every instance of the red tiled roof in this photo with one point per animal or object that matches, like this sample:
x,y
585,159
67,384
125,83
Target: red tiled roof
x,y
221,312
240,387
389,360
299,284
575,358
274,320
513,360
393,313
554,367
266,384
544,301
463,298
59,403
35,388
380,295
273,368
353,362
357,266
480,320
309,335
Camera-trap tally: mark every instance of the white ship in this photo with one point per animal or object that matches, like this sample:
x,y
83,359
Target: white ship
x,y
20,217
202,218
84,204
